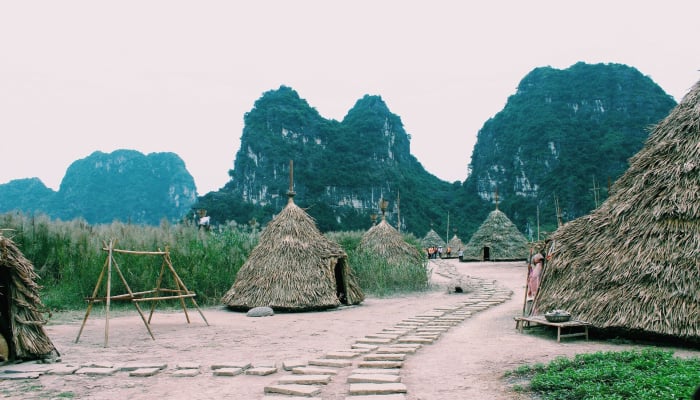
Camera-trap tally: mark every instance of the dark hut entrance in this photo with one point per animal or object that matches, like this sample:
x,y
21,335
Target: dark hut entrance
x,y
340,287
5,295
487,253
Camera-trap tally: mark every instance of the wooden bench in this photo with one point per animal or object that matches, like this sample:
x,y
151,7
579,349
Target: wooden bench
x,y
521,322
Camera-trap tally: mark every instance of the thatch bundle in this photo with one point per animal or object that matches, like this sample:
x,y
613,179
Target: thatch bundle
x,y
386,242
20,306
432,239
634,263
294,268
497,239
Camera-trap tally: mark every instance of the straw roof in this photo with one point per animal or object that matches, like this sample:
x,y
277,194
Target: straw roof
x,y
633,263
22,309
501,236
455,244
294,268
385,241
432,239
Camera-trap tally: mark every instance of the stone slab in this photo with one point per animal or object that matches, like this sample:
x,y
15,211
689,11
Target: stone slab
x,y
261,371
374,341
329,362
144,372
63,370
392,349
96,371
385,357
289,365
231,364
20,375
26,367
342,354
228,371
186,372
380,364
391,336
366,346
135,366
97,365
416,339
374,378
294,390
376,388
314,371
379,371
304,380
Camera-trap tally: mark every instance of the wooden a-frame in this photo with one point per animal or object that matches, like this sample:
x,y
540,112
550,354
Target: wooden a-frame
x,y
158,293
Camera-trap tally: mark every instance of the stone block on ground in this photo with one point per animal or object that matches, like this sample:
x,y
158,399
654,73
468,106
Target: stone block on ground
x,y
374,378
380,364
314,371
231,364
20,375
376,388
228,371
96,371
379,371
186,372
260,312
385,357
304,380
294,390
63,370
343,354
140,365
261,371
329,362
144,372
289,365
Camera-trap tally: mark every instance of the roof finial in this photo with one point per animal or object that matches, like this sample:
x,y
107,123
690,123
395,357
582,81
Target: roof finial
x,y
291,192
496,197
382,206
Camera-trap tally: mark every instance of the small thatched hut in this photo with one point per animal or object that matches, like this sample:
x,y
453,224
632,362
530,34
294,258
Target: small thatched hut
x,y
432,239
386,242
497,239
21,309
633,264
294,268
455,244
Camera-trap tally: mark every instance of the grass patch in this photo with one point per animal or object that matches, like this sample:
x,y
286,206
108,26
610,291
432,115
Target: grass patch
x,y
641,374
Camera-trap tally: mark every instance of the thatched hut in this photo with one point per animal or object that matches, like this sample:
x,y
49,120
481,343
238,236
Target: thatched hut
x,y
455,244
294,268
633,264
497,239
432,239
21,310
386,242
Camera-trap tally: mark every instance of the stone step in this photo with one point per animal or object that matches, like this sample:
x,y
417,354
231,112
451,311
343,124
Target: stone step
x,y
261,371
314,371
232,364
185,372
380,364
135,366
294,390
391,336
144,372
304,380
329,362
374,378
228,371
376,388
379,371
416,339
374,340
385,357
289,365
96,371
342,354
365,346
393,349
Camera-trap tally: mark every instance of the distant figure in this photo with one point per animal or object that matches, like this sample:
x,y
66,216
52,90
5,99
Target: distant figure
x,y
533,282
460,253
204,222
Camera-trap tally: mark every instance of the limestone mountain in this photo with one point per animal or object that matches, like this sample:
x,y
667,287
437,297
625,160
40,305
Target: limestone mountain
x,y
124,185
341,169
562,137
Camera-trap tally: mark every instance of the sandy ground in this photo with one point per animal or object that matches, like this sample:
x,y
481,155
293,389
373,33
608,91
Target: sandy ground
x,y
467,362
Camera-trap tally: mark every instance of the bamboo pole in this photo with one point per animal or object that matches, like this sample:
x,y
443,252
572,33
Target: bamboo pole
x,y
109,288
91,300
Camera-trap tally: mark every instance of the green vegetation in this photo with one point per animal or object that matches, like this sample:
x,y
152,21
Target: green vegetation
x,y
68,257
644,374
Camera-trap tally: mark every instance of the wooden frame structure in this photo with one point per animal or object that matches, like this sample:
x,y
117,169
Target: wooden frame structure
x,y
158,293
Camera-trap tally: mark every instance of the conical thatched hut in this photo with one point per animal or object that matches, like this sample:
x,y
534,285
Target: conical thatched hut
x,y
497,239
432,239
633,264
455,244
21,309
386,242
294,268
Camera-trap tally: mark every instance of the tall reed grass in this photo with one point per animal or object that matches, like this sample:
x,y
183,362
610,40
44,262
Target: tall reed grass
x,y
68,256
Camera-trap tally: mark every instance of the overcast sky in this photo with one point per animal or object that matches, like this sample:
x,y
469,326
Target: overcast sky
x,y
176,76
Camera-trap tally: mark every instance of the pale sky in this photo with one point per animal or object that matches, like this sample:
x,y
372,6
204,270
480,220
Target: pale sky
x,y
178,76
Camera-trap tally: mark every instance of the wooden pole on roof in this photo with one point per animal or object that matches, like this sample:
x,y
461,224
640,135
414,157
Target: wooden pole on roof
x,y
290,192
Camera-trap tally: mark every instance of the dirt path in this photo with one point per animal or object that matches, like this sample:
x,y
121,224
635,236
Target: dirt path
x,y
466,362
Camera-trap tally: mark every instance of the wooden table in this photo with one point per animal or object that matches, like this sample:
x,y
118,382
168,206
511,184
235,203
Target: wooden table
x,y
520,323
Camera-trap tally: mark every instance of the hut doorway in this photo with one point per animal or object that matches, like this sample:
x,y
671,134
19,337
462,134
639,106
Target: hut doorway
x,y
6,351
340,287
487,253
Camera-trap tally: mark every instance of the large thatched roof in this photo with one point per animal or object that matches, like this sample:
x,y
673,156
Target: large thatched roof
x,y
22,311
385,241
294,268
432,239
500,237
634,263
